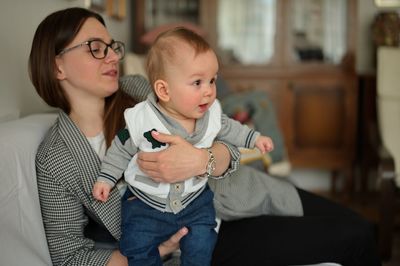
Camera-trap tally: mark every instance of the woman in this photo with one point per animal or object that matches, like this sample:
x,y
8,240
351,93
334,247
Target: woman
x,y
74,67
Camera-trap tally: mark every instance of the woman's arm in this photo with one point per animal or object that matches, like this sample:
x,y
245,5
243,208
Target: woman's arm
x,y
136,86
182,160
64,220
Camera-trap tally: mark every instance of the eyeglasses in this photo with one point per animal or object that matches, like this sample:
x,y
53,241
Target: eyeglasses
x,y
99,49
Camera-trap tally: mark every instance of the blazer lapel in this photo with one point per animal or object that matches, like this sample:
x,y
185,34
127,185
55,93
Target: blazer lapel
x,y
88,164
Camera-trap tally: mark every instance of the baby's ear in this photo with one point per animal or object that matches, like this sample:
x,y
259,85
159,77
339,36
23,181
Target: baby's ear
x,y
161,90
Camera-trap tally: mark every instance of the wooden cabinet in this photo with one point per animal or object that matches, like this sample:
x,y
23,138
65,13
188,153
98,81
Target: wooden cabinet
x,y
302,54
323,122
317,112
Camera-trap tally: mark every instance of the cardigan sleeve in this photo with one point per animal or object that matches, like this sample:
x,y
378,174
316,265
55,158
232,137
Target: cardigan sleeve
x,y
64,221
234,132
117,158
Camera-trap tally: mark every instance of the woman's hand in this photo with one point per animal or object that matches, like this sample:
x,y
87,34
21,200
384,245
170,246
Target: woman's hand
x,y
181,160
167,247
172,243
178,162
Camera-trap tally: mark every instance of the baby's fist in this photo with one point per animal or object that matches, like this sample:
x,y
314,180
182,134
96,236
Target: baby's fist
x,y
264,144
101,190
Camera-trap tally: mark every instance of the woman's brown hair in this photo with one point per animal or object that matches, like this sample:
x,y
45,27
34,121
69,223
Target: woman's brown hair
x,y
53,34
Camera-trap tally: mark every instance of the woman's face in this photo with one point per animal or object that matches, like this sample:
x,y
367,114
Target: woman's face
x,y
80,74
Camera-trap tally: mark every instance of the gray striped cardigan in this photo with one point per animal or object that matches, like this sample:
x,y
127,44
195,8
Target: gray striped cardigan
x,y
67,168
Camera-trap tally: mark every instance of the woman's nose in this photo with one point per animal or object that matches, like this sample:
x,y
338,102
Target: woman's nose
x,y
112,55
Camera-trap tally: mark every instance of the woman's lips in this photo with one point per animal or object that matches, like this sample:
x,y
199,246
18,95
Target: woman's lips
x,y
112,73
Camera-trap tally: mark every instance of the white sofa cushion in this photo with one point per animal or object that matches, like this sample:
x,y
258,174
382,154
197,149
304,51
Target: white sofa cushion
x,y
23,240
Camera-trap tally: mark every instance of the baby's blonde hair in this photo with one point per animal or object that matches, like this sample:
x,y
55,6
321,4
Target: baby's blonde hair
x,y
164,50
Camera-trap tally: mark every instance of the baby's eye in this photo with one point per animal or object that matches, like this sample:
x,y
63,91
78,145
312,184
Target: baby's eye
x,y
212,81
197,82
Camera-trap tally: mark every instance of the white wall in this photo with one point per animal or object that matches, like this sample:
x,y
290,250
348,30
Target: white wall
x,y
18,22
366,14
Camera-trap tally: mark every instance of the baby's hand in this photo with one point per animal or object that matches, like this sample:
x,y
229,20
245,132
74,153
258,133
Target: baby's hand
x,y
264,144
101,190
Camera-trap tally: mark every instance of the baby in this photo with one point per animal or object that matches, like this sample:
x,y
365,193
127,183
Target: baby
x,y
182,69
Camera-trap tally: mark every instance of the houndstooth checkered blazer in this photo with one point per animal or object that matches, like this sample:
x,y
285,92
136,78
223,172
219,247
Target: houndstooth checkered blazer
x,y
67,168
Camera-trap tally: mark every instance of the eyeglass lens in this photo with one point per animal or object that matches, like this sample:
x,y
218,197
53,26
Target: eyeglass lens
x,y
99,49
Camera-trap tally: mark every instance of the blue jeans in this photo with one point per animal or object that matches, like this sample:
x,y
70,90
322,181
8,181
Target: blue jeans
x,y
145,228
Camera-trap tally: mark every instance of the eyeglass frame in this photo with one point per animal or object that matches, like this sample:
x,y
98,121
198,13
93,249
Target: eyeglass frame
x,y
108,45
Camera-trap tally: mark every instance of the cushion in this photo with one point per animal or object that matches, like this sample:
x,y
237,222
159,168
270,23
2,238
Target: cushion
x,y
255,109
23,240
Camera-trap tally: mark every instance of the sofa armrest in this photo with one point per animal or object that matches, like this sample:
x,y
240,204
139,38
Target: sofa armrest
x,y
22,235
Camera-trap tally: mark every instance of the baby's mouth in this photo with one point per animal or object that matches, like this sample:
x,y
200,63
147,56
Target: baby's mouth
x,y
203,107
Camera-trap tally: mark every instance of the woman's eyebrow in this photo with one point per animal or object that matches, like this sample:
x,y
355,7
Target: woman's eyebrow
x,y
100,39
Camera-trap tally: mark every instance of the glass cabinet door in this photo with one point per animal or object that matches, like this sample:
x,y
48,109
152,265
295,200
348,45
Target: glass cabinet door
x,y
149,15
159,12
317,31
261,32
246,31
284,32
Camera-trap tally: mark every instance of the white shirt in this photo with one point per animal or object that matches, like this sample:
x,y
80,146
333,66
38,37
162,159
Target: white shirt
x,y
98,144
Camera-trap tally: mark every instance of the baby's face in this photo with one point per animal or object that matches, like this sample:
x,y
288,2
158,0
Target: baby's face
x,y
191,82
